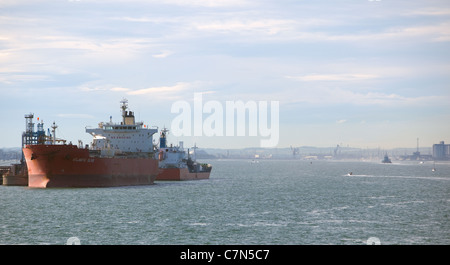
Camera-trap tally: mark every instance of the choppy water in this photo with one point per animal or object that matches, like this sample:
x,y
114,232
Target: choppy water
x,y
270,202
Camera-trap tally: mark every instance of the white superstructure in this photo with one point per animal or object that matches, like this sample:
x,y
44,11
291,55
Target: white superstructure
x,y
171,156
126,136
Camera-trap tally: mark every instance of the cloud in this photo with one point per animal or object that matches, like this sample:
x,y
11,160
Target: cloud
x,y
99,86
268,26
333,77
75,116
92,88
374,98
206,3
152,19
11,78
120,89
44,44
326,96
172,92
178,87
163,54
431,12
341,121
433,33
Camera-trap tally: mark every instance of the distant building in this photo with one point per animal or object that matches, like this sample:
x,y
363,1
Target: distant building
x,y
441,151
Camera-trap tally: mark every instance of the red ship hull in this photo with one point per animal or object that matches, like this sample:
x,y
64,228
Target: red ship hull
x,y
70,166
180,174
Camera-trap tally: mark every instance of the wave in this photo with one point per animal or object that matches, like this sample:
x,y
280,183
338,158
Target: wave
x,y
408,177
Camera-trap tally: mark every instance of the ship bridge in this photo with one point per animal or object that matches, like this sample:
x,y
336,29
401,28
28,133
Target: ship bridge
x,y
126,136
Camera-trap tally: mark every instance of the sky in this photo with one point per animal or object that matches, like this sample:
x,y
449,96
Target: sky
x,y
359,73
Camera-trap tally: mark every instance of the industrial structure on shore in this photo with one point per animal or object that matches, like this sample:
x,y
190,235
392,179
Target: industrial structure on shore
x,y
441,151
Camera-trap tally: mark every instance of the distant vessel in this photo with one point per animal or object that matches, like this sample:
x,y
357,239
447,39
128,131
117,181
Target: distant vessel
x,y
121,154
434,166
177,164
14,175
386,159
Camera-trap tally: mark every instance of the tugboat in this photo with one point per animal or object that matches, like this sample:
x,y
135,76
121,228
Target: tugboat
x,y
177,164
386,159
121,154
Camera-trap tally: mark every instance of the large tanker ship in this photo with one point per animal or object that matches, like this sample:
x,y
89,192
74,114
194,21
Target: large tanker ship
x,y
120,154
177,164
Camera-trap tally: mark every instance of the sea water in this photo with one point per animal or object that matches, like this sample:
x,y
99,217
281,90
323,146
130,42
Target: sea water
x,y
244,202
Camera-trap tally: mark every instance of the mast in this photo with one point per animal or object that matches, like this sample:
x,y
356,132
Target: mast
x,y
54,126
162,139
124,107
195,153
